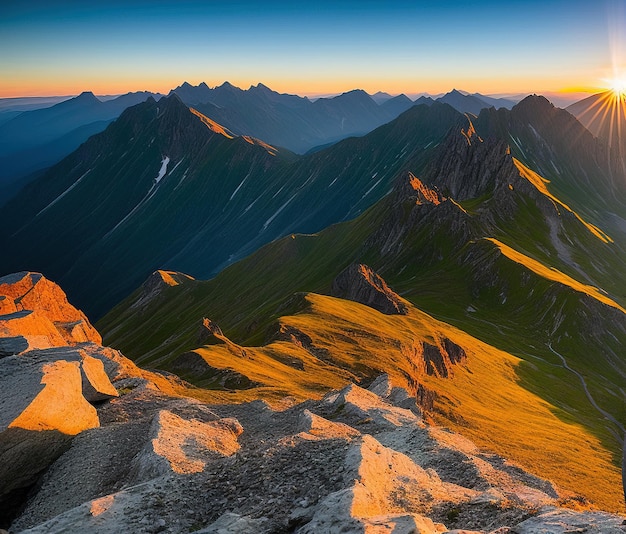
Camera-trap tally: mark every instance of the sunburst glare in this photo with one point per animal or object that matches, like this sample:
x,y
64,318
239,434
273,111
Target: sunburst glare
x,y
605,114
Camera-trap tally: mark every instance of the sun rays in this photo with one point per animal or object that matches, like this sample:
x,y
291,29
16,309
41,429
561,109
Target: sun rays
x,y
607,113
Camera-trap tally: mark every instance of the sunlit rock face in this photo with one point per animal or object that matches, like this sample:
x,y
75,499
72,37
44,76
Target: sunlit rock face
x,y
360,283
48,379
351,462
35,314
41,407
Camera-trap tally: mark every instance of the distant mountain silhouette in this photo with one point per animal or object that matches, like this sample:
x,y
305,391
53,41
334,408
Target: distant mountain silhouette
x,y
604,115
291,121
466,103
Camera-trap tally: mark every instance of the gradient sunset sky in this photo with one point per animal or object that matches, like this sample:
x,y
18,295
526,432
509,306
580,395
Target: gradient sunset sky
x,y
112,47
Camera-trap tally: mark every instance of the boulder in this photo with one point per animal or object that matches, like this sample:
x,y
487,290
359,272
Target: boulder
x,y
184,446
96,385
35,328
561,521
361,284
41,407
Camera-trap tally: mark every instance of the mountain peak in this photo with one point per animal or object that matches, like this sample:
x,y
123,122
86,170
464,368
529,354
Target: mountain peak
x,y
173,98
86,96
535,103
355,92
226,85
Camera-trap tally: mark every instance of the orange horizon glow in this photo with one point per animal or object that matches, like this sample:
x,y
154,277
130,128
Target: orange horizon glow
x,y
314,87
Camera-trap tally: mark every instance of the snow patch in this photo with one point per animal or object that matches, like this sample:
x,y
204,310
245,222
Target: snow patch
x,y
308,180
276,194
162,172
176,166
164,164
252,204
182,179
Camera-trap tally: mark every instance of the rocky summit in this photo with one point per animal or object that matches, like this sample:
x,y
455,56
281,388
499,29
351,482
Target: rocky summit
x,y
89,442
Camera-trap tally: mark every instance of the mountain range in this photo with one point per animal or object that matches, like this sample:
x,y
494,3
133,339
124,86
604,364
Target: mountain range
x,y
31,140
474,258
166,186
300,124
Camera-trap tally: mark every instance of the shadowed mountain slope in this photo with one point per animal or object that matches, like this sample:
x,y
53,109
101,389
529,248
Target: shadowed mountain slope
x,y
165,187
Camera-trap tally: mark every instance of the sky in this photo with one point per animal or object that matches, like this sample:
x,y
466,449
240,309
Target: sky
x,y
326,47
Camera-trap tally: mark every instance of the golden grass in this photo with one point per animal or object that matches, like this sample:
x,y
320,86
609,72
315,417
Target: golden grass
x,y
554,274
487,403
541,184
483,400
212,125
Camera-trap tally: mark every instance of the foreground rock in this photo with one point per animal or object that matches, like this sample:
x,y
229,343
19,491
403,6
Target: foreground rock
x,y
41,407
91,443
52,368
351,462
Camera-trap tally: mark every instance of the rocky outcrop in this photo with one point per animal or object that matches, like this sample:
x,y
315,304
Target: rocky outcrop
x,y
211,333
466,166
285,332
52,368
192,364
37,310
350,462
95,383
158,282
41,407
567,521
435,360
421,194
185,446
361,284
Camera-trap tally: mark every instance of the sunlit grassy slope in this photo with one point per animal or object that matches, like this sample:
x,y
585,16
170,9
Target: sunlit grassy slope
x,y
531,411
484,399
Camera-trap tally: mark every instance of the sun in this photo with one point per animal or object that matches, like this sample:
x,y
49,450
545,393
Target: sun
x,y
617,86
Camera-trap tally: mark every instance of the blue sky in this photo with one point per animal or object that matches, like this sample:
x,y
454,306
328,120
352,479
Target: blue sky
x,y
313,47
